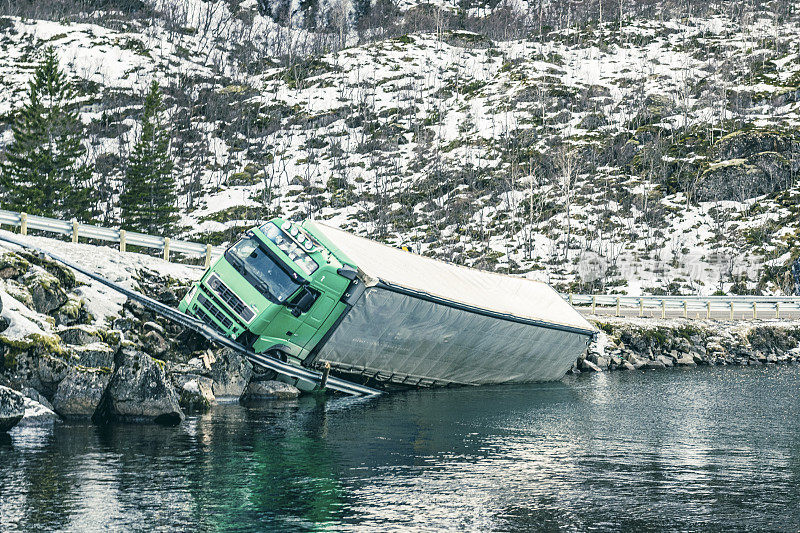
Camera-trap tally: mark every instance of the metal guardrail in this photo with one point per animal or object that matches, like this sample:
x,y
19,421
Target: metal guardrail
x,y
77,229
705,305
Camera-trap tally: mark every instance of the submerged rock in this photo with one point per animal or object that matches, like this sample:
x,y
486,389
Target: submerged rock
x,y
12,408
231,373
270,390
140,391
79,394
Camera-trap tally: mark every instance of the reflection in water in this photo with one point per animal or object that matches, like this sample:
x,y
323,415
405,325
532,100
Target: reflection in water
x,y
706,449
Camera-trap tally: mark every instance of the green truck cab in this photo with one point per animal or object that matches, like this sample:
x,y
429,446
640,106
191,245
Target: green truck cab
x,y
277,290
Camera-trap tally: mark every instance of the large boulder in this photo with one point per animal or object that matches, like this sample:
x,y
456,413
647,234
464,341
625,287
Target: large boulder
x,y
231,373
270,390
140,391
12,408
79,394
37,361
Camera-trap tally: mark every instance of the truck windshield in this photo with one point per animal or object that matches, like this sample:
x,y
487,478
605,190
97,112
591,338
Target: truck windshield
x,y
261,271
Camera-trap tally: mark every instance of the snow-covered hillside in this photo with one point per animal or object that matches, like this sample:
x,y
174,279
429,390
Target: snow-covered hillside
x,y
646,156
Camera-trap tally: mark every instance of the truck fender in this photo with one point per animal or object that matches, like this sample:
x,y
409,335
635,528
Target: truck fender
x,y
285,349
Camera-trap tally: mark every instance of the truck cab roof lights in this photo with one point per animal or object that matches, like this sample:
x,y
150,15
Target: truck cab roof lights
x,y
295,244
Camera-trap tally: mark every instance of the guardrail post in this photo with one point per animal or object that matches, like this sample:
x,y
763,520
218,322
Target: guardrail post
x,y
731,310
123,238
685,310
166,248
570,299
777,309
641,307
755,311
208,260
663,309
617,305
708,310
23,223
74,230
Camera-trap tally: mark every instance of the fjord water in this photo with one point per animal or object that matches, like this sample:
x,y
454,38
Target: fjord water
x,y
701,449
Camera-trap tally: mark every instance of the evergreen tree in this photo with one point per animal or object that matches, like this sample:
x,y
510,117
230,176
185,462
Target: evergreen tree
x,y
148,199
42,172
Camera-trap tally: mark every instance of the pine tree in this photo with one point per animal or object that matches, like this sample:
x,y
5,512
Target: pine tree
x,y
148,199
42,172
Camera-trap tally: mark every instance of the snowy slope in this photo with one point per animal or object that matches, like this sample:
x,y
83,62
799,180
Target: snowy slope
x,y
458,146
103,303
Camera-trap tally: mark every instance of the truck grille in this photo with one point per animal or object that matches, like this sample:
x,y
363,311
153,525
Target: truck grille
x,y
208,310
227,296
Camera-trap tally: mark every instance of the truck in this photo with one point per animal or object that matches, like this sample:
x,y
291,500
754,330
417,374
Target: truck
x,y
318,297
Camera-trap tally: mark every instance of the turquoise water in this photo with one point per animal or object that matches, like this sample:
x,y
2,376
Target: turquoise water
x,y
702,449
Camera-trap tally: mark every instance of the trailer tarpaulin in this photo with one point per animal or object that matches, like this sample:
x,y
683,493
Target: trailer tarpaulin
x,y
429,322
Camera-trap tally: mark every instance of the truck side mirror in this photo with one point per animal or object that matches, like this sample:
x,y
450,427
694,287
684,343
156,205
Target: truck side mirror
x,y
304,301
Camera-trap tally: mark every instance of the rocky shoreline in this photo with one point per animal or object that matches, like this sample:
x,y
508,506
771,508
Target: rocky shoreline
x,y
59,361
70,351
647,343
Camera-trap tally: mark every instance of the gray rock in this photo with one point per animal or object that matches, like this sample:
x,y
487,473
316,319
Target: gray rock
x,y
78,395
627,366
96,355
231,373
155,344
46,293
37,414
666,361
36,396
140,391
124,324
655,365
195,390
79,335
12,408
196,394
602,362
153,326
50,371
587,366
685,360
271,390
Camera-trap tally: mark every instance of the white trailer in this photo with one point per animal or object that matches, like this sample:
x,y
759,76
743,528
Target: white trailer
x,y
414,320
